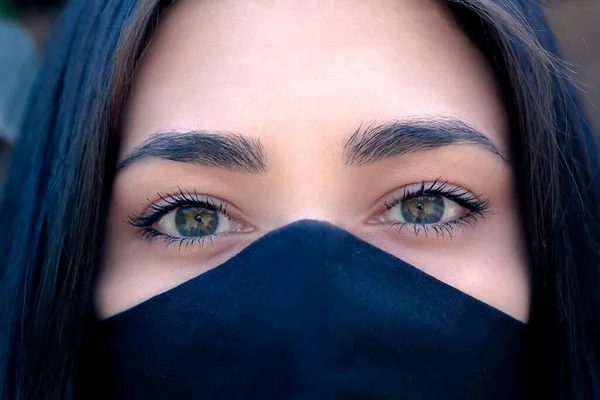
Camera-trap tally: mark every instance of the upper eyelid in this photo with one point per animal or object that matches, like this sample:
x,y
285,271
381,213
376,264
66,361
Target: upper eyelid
x,y
463,196
438,186
233,212
176,199
156,210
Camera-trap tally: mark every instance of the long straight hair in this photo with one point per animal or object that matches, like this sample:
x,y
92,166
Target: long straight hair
x,y
54,204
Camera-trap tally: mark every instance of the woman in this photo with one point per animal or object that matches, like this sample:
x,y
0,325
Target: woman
x,y
252,199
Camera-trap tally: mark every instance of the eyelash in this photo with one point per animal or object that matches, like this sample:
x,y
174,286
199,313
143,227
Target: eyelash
x,y
180,198
477,206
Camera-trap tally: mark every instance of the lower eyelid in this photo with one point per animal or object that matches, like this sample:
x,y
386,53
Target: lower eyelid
x,y
151,235
443,230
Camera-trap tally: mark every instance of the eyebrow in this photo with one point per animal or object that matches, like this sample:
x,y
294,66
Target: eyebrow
x,y
226,150
375,142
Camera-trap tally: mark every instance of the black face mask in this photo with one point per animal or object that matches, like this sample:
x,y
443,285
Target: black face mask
x,y
311,312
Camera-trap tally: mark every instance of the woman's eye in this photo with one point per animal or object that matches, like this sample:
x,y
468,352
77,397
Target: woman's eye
x,y
424,210
195,222
438,206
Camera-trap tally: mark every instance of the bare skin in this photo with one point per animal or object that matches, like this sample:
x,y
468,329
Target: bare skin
x,y
301,77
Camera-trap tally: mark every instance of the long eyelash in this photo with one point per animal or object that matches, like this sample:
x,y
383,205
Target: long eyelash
x,y
478,208
169,202
182,243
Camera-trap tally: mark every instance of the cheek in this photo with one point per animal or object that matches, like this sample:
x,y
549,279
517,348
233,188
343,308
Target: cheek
x,y
133,270
488,263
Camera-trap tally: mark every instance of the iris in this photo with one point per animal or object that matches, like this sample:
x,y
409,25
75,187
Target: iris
x,y
191,221
423,209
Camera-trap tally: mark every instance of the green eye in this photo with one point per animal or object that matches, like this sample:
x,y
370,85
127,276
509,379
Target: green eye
x,y
424,210
194,221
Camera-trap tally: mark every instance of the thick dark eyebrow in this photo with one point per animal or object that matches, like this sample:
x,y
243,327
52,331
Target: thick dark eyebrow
x,y
230,151
375,142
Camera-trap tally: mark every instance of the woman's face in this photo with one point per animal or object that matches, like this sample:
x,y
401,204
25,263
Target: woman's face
x,y
378,116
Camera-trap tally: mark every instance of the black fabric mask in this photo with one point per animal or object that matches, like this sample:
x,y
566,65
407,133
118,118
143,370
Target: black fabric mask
x,y
311,312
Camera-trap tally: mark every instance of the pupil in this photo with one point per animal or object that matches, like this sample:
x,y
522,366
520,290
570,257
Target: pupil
x,y
196,221
423,210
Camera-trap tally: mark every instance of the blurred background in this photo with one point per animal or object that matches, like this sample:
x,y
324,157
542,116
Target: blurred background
x,y
26,24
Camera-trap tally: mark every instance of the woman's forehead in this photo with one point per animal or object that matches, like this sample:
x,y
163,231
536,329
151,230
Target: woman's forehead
x,y
308,71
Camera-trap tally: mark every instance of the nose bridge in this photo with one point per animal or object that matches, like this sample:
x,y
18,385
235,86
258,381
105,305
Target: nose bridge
x,y
307,177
